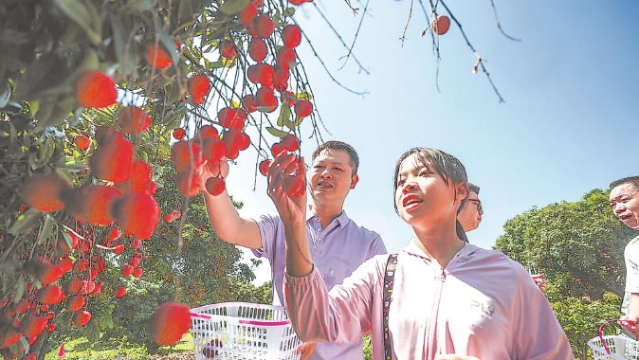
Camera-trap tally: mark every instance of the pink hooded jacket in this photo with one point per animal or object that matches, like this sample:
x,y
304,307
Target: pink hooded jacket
x,y
483,304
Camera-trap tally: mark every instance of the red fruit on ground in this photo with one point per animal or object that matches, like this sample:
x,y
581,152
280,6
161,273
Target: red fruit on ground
x,y
257,49
138,272
120,292
264,166
198,87
290,142
44,192
95,89
227,49
52,327
292,36
215,186
127,270
247,14
186,155
276,149
50,295
112,159
177,214
30,356
135,261
33,325
156,56
188,183
82,142
128,209
303,108
266,99
263,25
179,133
440,25
81,318
133,120
169,323
249,103
75,303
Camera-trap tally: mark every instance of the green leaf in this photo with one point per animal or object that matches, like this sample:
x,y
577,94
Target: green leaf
x,y
85,15
47,228
285,114
231,7
126,59
19,289
289,12
5,96
298,121
25,221
140,5
67,239
276,132
187,10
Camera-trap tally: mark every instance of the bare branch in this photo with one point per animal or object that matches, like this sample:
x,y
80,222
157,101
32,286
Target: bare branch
x,y
350,49
410,15
492,3
359,64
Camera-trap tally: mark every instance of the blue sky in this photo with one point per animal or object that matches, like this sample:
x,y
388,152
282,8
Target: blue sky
x,y
569,123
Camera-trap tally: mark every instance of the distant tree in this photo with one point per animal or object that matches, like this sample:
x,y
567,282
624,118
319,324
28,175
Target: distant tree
x,y
579,246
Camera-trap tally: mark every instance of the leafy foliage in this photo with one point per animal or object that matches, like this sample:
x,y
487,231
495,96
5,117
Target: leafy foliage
x,y
579,246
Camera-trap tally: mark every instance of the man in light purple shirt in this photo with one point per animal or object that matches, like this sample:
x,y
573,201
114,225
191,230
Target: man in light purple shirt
x,y
338,245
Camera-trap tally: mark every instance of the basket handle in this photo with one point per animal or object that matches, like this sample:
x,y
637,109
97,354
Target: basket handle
x,y
244,322
601,336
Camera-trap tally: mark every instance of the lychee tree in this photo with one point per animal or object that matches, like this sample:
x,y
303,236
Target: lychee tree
x,y
95,97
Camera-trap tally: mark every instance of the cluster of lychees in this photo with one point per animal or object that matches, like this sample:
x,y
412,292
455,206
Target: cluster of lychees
x,y
269,75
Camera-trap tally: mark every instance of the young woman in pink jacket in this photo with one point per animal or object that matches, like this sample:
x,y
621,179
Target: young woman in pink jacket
x,y
440,298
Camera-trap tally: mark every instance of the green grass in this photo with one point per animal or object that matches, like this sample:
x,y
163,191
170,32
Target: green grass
x,y
81,349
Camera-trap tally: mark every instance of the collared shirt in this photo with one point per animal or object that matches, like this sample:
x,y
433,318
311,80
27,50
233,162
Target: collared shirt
x,y
631,256
337,251
482,304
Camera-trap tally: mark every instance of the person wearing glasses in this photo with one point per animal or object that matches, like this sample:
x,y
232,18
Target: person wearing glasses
x,y
624,201
470,215
439,298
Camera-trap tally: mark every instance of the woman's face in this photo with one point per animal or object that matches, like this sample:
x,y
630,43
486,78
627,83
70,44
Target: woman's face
x,y
423,194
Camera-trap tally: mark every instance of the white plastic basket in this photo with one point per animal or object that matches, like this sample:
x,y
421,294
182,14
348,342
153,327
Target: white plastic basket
x,y
243,331
621,348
